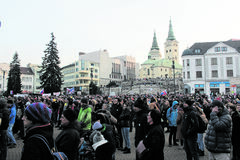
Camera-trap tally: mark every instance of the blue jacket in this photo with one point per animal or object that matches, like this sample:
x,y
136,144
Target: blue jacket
x,y
13,113
172,115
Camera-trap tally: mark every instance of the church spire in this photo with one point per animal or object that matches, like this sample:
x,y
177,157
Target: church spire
x,y
170,32
154,43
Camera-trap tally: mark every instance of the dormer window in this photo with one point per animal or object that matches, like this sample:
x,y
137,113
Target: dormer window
x,y
224,48
197,50
217,49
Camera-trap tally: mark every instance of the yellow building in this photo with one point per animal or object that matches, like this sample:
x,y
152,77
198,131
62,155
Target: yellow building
x,y
156,66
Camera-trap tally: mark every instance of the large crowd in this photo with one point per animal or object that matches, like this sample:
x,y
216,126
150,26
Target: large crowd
x,y
94,127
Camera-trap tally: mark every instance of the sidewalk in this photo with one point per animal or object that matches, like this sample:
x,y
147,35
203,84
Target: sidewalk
x,y
170,153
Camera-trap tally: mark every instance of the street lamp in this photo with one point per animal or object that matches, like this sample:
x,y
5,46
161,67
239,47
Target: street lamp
x,y
173,67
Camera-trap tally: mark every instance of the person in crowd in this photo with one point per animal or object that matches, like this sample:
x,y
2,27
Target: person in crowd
x,y
103,149
18,125
200,112
116,110
235,131
124,122
4,123
154,140
36,119
84,117
12,108
164,107
189,130
172,122
218,135
68,140
140,121
179,124
55,107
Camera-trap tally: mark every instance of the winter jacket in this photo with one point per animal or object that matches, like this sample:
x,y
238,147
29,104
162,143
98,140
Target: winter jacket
x,y
190,123
4,115
116,110
103,150
35,148
154,141
172,115
141,126
13,113
68,140
84,117
235,127
218,135
124,118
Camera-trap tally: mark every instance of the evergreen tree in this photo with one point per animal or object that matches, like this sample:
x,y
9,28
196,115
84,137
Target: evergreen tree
x,y
50,73
14,76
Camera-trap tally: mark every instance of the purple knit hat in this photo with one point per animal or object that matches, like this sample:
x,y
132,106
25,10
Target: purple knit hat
x,y
38,113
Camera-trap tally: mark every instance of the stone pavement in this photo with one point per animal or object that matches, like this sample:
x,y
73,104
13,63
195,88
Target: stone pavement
x,y
170,153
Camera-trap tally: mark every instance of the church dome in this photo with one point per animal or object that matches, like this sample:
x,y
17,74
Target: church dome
x,y
187,52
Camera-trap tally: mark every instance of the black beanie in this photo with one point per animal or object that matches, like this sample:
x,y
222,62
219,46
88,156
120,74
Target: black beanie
x,y
70,114
189,102
217,103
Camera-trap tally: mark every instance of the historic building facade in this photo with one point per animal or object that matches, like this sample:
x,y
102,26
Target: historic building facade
x,y
212,67
156,66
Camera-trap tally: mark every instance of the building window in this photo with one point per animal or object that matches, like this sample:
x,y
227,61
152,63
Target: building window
x,y
170,50
224,48
199,74
229,73
188,62
217,49
213,61
166,51
148,72
188,75
197,50
229,60
184,75
92,64
96,71
214,73
198,62
183,63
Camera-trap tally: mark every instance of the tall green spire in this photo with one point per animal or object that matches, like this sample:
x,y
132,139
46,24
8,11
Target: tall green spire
x,y
154,43
170,32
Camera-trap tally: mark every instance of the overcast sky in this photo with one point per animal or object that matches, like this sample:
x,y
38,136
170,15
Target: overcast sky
x,y
123,27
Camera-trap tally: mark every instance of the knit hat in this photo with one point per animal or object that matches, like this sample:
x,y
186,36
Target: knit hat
x,y
97,125
98,137
70,114
84,100
38,113
217,103
139,103
189,102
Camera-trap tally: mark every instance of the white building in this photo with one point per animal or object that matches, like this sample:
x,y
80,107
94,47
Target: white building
x,y
4,69
210,67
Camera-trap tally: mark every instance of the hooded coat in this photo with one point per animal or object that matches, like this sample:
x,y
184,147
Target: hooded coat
x,y
218,135
172,115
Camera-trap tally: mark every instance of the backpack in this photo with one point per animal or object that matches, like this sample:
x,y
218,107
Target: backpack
x,y
202,126
56,155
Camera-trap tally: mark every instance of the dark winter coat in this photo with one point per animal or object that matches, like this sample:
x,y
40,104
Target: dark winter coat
x,y
116,110
141,126
190,123
68,140
124,118
35,148
107,132
4,115
218,135
154,142
235,128
104,151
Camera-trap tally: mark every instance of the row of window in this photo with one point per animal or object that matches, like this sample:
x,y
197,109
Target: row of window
x,y
214,61
170,50
26,79
211,85
214,74
26,87
218,49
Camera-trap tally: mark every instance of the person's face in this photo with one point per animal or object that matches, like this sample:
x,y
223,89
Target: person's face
x,y
238,108
185,105
64,121
175,106
115,101
149,118
26,121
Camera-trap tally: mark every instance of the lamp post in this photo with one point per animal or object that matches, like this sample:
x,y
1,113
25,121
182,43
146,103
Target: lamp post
x,y
173,67
3,80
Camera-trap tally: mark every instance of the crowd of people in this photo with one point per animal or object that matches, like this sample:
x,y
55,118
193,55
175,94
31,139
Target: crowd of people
x,y
94,127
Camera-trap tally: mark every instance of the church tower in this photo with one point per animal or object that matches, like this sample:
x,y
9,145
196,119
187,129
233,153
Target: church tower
x,y
154,53
171,46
